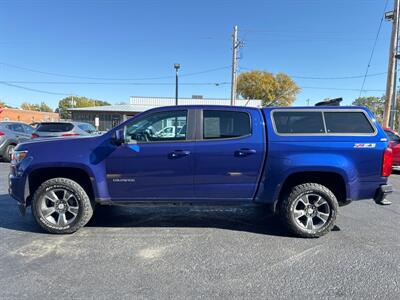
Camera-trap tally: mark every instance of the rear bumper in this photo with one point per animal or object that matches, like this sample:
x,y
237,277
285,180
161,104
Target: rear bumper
x,y
382,192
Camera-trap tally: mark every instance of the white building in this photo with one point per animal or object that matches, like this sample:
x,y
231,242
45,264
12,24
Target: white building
x,y
151,102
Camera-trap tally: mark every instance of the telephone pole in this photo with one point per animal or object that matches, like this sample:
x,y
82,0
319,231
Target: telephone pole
x,y
391,78
235,46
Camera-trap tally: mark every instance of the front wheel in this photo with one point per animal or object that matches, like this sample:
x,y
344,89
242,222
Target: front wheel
x,y
61,205
310,210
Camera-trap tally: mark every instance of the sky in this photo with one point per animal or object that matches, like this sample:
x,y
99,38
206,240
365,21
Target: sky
x,y
110,50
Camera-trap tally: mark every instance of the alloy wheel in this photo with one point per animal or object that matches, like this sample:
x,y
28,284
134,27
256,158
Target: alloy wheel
x,y
311,211
10,151
59,206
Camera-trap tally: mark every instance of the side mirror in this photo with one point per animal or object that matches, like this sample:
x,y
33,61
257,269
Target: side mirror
x,y
119,137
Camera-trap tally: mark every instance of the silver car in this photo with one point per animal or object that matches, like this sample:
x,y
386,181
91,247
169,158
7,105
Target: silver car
x,y
12,133
63,129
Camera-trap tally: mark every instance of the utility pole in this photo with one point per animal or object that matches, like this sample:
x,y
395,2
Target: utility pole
x,y
235,46
391,78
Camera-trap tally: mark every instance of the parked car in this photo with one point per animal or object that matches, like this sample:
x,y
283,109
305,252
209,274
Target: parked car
x,y
171,131
394,138
302,162
63,129
12,133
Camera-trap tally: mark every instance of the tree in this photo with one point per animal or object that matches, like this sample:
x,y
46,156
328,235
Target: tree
x,y
36,107
74,101
30,106
272,89
374,104
44,107
4,105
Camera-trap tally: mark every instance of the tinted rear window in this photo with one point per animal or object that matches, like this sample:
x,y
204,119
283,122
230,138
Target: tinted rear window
x,y
347,122
298,122
225,124
55,127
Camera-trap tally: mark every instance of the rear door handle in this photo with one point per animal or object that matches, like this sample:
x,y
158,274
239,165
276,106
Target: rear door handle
x,y
244,152
178,153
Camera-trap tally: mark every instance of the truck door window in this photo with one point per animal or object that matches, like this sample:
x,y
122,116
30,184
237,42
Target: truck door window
x,y
347,122
298,122
161,126
219,124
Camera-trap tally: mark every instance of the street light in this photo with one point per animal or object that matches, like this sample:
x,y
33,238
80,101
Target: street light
x,y
177,67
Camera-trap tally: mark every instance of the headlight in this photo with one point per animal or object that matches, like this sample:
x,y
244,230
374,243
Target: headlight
x,y
18,156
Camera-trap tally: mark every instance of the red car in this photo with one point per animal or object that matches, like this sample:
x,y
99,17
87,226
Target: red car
x,y
394,138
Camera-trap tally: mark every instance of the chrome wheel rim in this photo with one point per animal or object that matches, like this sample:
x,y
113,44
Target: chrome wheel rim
x,y
59,207
10,152
311,211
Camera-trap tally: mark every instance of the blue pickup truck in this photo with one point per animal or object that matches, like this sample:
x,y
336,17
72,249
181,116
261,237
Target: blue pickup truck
x,y
302,162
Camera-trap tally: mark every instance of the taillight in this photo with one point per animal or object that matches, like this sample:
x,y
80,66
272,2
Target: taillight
x,y
2,133
34,135
70,134
387,162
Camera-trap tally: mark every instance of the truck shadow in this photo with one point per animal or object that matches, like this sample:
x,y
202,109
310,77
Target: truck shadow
x,y
248,219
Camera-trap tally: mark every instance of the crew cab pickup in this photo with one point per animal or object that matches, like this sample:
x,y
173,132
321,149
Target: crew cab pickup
x,y
303,162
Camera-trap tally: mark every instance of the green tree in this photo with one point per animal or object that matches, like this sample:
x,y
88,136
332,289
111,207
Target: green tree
x,y
74,101
44,107
30,106
272,89
375,104
4,105
36,107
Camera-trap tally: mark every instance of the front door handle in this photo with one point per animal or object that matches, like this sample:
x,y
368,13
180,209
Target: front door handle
x,y
178,153
244,152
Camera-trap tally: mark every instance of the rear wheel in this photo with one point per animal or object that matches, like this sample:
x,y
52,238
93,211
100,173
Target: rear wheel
x,y
310,210
8,154
61,205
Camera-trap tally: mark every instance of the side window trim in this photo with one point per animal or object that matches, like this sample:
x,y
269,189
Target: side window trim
x,y
200,120
323,116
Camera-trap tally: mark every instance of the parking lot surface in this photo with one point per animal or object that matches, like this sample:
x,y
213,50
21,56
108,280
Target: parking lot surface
x,y
178,253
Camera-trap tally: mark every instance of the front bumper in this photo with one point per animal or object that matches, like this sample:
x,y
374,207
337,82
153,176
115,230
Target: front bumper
x,y
382,192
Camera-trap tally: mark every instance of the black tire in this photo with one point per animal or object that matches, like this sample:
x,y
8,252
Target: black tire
x,y
298,225
7,156
82,202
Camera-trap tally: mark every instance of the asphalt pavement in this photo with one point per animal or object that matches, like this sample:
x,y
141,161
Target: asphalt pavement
x,y
181,253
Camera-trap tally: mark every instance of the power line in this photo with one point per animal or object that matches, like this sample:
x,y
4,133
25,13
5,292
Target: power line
x,y
12,84
329,78
113,83
339,89
32,90
373,48
107,78
154,84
